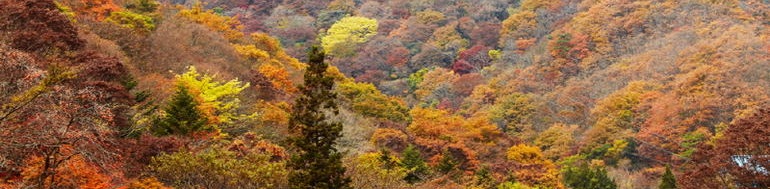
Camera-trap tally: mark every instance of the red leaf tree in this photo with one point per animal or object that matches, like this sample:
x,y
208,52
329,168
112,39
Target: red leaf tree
x,y
740,157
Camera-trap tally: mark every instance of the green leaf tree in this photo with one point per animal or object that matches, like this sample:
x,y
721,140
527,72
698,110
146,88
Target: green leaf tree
x,y
584,177
315,162
669,181
182,115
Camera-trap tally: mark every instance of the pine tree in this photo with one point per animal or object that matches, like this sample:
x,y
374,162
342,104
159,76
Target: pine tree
x,y
315,162
669,181
414,163
182,115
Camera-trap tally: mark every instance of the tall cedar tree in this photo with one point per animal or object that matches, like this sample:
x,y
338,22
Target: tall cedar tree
x,y
182,115
669,181
316,163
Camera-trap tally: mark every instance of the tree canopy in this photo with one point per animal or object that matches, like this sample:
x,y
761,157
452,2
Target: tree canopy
x,y
343,37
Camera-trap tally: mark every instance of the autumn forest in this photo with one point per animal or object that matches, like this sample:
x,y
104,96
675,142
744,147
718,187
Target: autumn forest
x,y
328,94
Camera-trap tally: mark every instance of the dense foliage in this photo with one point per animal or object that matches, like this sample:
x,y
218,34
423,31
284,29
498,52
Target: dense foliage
x,y
584,177
412,94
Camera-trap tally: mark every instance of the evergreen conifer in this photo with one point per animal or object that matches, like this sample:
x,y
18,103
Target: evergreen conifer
x,y
315,162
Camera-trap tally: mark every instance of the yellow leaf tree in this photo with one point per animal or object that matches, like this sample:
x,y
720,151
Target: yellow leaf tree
x,y
218,101
343,37
230,27
533,169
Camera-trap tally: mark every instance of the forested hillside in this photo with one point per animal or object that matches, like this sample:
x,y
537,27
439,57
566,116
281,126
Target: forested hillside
x,y
505,94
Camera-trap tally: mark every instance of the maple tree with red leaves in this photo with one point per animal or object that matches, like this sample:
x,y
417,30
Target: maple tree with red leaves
x,y
739,156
